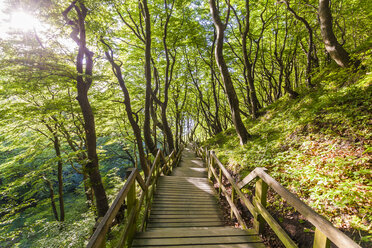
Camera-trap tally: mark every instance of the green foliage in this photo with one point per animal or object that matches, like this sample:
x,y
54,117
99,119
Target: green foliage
x,y
317,146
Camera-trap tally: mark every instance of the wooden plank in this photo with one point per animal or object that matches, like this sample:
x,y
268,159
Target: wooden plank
x,y
250,245
185,211
189,215
190,190
185,189
183,201
181,182
185,219
197,241
197,169
196,224
195,232
174,178
156,212
181,185
193,198
185,195
191,193
185,205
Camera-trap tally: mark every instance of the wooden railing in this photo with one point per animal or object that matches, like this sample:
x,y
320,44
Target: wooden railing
x,y
324,232
134,204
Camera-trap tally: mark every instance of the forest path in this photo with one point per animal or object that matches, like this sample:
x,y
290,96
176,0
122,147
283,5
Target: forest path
x,y
185,212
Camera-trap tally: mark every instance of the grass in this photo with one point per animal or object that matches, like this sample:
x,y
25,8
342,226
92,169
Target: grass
x,y
318,146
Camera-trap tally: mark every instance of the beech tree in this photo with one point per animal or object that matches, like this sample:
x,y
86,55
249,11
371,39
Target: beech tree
x,y
335,50
84,80
225,74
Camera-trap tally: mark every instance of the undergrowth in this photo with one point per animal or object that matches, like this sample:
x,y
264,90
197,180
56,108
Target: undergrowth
x,y
318,146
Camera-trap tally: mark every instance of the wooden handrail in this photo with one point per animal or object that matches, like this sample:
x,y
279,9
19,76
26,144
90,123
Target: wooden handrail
x,y
99,235
324,229
160,165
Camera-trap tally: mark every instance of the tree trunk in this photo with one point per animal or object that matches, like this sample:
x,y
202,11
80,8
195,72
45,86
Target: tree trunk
x,y
84,81
335,50
51,195
248,66
88,190
60,179
168,78
146,127
309,52
57,149
128,108
229,87
92,167
167,129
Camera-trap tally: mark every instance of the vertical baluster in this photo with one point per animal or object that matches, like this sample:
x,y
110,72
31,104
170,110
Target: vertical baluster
x,y
320,240
233,200
211,162
219,185
260,196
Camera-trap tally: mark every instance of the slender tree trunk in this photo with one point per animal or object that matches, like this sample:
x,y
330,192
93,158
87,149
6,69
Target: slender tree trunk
x,y
92,167
167,129
88,190
57,149
128,107
146,127
311,44
84,81
248,65
335,50
51,195
60,179
168,77
229,87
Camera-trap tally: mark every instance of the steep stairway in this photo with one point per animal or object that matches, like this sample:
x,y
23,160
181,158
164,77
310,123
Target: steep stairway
x,y
185,213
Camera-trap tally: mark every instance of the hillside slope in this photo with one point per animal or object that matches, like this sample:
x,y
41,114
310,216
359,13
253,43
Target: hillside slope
x,y
318,146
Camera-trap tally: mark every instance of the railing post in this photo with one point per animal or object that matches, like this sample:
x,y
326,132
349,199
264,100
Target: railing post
x,y
320,240
131,206
260,196
233,201
219,185
211,161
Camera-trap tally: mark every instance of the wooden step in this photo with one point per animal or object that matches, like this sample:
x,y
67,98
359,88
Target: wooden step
x,y
184,192
189,224
182,215
198,237
194,198
175,211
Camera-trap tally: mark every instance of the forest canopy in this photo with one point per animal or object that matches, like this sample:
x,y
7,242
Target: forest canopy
x,y
91,88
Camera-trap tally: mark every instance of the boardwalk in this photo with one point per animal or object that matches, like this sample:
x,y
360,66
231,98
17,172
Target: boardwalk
x,y
185,213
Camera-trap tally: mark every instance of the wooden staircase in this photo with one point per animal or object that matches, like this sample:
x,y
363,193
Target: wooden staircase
x,y
185,212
